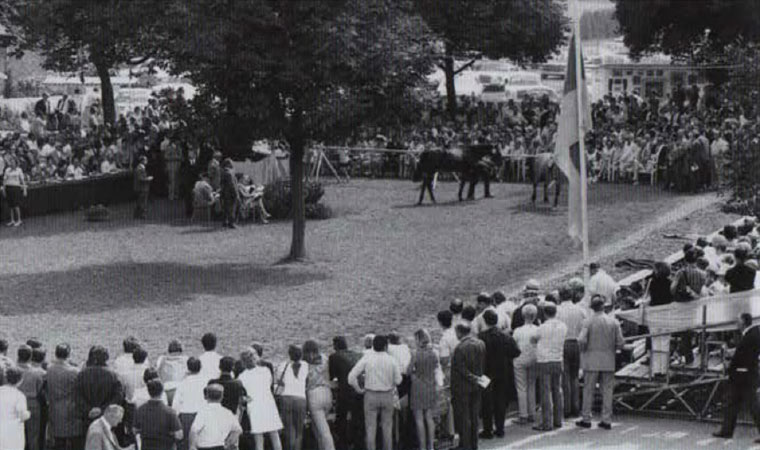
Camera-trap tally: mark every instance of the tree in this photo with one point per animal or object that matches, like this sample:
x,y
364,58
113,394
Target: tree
x,y
520,30
296,70
671,27
73,35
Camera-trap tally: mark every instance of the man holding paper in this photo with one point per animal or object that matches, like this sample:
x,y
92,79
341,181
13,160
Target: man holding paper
x,y
467,383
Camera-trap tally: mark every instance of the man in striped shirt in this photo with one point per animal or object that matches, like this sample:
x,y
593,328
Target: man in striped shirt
x,y
687,286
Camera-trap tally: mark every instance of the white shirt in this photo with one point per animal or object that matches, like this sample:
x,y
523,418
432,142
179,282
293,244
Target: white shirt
x,y
602,284
13,413
123,362
188,398
573,316
524,337
401,354
213,424
210,365
381,372
293,386
551,341
448,342
132,379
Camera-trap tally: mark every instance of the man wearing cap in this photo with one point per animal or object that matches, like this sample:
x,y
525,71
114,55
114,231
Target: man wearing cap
x,y
142,188
215,427
741,277
599,340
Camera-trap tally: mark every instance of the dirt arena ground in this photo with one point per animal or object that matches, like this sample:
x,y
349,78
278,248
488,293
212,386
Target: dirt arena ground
x,y
381,264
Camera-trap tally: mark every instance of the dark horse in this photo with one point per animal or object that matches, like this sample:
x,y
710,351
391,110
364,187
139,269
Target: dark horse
x,y
542,167
472,163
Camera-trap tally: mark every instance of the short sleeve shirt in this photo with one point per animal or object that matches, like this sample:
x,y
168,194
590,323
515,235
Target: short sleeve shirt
x,y
157,424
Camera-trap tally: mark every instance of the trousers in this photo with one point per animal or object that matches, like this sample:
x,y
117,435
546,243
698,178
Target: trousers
x,y
741,389
570,386
525,383
551,394
378,404
466,410
494,407
607,384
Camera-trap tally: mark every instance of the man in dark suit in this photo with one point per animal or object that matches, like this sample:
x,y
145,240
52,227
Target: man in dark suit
x,y
42,107
234,391
349,402
142,188
66,426
742,378
501,349
230,194
467,365
97,386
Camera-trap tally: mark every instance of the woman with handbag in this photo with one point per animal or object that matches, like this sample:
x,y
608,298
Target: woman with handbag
x,y
318,394
423,398
291,393
263,416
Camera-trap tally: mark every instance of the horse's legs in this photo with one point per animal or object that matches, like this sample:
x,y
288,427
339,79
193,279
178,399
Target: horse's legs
x,y
471,190
422,188
430,191
557,189
487,187
461,186
546,189
533,197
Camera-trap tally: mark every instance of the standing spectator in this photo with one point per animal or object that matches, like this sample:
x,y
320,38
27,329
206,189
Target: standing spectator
x,y
215,171
99,434
348,403
600,339
215,427
13,412
132,379
400,351
573,316
601,283
209,358
234,392
32,386
501,350
292,379
467,365
142,188
13,189
685,287
504,308
172,368
264,419
66,426
156,425
5,362
42,107
456,306
549,356
484,303
229,194
423,398
446,347
381,376
318,394
525,366
742,377
142,395
172,154
97,386
741,277
660,294
188,399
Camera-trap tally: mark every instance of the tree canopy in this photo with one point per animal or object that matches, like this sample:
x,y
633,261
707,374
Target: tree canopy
x,y
74,35
297,70
520,30
676,27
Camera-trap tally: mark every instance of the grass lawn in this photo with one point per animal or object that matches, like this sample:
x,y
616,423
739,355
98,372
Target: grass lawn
x,y
381,264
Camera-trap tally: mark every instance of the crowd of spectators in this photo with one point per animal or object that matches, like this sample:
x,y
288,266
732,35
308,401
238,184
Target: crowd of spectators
x,y
528,350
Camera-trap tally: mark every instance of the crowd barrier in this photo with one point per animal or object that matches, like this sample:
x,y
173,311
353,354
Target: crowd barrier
x,y
72,195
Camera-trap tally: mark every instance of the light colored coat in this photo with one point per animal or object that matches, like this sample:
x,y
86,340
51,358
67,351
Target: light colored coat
x,y
600,337
100,437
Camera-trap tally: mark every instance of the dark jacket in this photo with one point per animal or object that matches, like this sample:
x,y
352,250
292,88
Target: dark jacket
x,y
61,394
467,365
229,186
740,278
746,354
141,180
233,391
339,364
501,349
97,387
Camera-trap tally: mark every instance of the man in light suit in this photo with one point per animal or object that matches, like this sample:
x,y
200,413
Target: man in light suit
x,y
100,436
599,340
743,378
467,366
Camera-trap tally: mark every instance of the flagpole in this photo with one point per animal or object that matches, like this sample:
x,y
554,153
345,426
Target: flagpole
x,y
581,141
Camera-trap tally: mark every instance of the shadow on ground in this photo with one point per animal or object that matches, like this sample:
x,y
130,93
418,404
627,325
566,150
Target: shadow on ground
x,y
131,285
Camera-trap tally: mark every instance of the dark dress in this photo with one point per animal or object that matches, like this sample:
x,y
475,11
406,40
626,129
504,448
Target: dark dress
x,y
659,291
422,370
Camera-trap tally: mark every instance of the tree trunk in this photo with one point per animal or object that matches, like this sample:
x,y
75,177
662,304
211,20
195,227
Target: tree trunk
x,y
106,90
296,141
451,92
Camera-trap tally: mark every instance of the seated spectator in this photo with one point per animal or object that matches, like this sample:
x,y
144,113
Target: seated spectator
x,y
204,197
741,277
252,201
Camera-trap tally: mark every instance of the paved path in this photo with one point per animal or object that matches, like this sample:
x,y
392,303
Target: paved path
x,y
628,433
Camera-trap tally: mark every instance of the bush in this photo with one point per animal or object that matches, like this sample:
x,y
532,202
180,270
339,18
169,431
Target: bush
x,y
277,200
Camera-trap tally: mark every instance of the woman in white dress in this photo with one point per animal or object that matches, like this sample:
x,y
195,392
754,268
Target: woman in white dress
x,y
262,409
13,412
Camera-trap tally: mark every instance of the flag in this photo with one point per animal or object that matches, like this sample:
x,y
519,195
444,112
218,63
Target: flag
x,y
567,151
